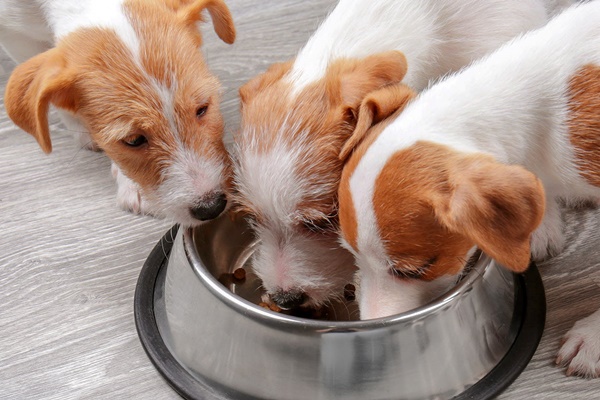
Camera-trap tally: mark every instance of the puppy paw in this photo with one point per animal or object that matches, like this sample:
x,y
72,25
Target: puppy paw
x,y
580,349
129,196
548,240
129,199
545,245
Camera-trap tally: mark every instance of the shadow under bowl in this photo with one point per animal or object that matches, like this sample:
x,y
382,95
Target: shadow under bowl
x,y
205,333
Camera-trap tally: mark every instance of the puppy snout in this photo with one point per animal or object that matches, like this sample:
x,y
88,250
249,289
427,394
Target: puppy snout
x,y
289,299
210,206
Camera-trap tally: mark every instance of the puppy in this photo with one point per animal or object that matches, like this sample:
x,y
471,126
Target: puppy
x,y
297,116
128,75
479,160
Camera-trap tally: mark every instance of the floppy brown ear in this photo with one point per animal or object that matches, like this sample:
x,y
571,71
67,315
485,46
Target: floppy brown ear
x,y
219,13
357,78
377,106
267,78
497,206
31,88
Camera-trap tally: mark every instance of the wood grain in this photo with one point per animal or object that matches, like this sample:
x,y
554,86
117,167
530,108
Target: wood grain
x,y
69,258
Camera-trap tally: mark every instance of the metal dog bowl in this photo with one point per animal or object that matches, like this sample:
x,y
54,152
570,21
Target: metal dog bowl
x,y
210,343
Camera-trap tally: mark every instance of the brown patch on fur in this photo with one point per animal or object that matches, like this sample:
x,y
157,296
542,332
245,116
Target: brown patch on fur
x,y
319,119
584,121
347,211
433,203
115,98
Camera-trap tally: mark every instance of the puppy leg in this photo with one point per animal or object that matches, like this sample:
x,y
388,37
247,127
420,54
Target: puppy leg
x,y
580,350
548,239
129,196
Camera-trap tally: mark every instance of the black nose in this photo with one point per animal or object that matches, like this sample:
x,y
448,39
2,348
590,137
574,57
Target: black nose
x,y
289,299
210,207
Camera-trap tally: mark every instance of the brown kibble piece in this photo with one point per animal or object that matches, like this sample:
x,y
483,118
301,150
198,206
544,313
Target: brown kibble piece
x,y
264,305
274,307
239,274
350,292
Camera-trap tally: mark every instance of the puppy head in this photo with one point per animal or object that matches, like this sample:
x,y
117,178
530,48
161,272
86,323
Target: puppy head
x,y
141,88
287,169
421,216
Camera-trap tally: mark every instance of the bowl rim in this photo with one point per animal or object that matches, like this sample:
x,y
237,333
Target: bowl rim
x,y
257,313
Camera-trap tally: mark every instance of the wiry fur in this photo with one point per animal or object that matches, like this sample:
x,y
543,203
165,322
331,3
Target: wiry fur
x,y
297,116
117,69
502,142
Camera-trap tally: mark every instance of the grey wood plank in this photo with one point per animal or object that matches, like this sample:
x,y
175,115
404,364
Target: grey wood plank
x,y
69,258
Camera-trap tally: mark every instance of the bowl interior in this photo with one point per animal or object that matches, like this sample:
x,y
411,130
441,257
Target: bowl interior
x,y
228,244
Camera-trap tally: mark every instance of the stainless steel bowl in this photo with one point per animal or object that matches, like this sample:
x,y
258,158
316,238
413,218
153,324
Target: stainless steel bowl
x,y
223,345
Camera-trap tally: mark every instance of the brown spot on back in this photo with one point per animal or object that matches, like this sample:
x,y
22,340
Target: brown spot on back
x,y
584,121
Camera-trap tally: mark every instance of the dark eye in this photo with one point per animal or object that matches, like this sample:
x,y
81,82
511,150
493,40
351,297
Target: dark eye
x,y
201,111
135,140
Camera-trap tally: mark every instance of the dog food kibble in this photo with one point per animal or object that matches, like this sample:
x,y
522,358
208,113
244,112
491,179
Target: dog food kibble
x,y
269,306
274,307
239,274
349,292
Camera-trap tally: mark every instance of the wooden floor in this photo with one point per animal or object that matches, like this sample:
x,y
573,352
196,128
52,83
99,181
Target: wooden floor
x,y
69,258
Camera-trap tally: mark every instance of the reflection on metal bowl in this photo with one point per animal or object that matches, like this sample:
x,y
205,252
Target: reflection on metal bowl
x,y
211,340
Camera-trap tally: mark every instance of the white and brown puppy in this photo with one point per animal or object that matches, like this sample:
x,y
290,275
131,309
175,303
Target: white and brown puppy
x,y
297,116
130,75
480,159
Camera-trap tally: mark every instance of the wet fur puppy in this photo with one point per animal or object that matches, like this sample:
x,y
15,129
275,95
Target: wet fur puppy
x,y
480,160
129,76
297,116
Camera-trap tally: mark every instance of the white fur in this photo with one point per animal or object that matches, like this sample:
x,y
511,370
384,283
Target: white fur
x,y
43,21
269,178
129,195
186,177
286,258
437,37
166,93
511,105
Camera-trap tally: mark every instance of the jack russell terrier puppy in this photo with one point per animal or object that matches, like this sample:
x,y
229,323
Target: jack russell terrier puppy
x,y
297,116
130,75
479,160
